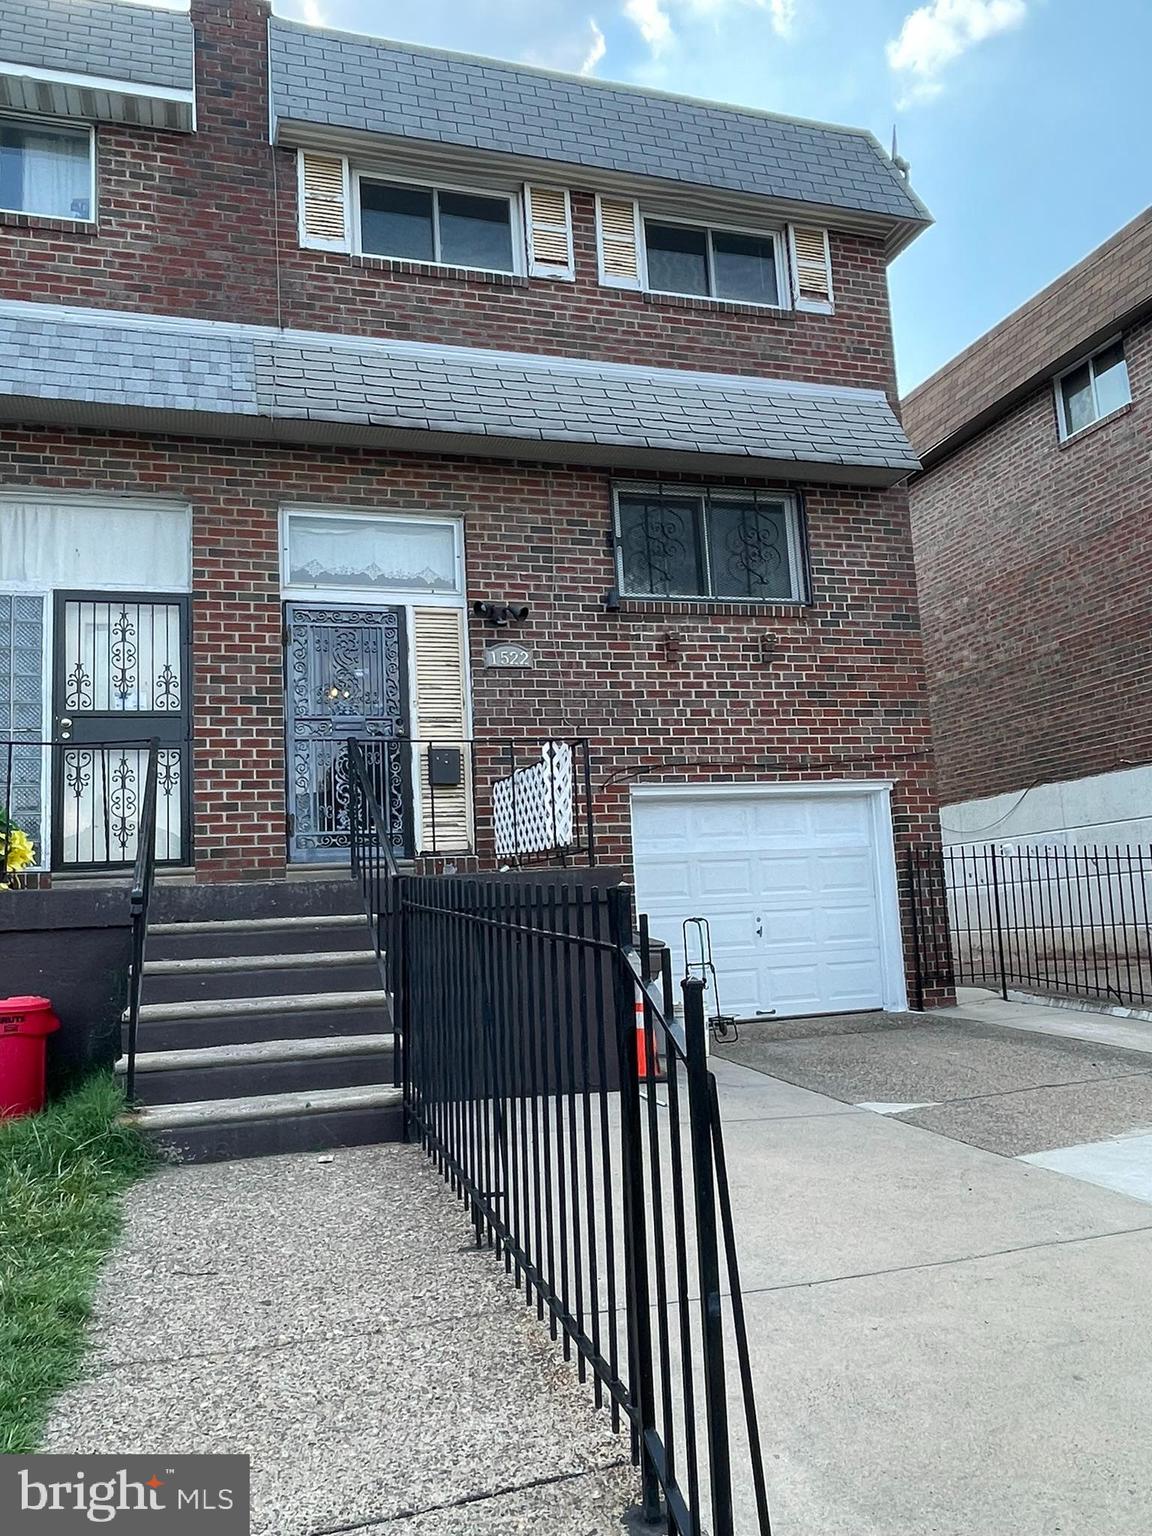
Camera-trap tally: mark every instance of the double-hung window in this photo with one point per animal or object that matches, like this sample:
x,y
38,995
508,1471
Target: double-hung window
x,y
433,224
1093,389
678,542
713,263
46,169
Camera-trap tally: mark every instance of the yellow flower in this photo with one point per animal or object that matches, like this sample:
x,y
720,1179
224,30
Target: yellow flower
x,y
18,849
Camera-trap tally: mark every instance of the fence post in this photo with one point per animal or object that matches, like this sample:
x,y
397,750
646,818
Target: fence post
x,y
708,1256
641,1385
999,923
914,917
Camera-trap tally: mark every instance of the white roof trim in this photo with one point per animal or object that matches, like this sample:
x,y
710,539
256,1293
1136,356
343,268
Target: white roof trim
x,y
98,83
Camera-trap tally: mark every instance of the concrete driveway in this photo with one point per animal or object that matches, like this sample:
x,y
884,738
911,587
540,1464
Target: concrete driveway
x,y
948,1336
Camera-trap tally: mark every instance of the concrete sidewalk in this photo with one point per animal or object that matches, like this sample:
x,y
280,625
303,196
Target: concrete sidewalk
x,y
331,1318
946,1339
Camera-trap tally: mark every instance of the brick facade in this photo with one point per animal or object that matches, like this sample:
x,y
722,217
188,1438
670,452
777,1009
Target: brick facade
x,y
833,690
1035,572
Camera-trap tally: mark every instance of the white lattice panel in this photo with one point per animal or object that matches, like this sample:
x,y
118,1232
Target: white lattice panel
x,y
534,808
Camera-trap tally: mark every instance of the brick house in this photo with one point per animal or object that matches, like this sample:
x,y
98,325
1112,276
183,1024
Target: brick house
x,y
368,389
1033,561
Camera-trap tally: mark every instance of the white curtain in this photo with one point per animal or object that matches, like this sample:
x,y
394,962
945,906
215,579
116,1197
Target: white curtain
x,y
57,174
95,544
376,553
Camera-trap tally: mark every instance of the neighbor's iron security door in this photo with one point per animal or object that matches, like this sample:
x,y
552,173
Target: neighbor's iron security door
x,y
345,672
120,679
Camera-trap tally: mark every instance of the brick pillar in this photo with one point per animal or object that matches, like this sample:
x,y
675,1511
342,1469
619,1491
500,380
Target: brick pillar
x,y
238,782
235,203
238,755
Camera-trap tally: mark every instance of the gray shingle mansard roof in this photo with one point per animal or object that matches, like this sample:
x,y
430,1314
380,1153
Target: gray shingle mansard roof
x,y
359,83
102,368
94,37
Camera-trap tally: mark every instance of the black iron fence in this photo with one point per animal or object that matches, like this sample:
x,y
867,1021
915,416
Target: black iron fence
x,y
579,1125
1062,921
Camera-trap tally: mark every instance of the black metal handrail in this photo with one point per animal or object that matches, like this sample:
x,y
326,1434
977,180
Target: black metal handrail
x,y
528,1045
143,878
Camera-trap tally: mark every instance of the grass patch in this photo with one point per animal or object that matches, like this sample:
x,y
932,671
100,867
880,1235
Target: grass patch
x,y
62,1173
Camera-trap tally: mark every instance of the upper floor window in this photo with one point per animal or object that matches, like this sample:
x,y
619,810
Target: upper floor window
x,y
736,545
433,224
1093,389
714,263
46,169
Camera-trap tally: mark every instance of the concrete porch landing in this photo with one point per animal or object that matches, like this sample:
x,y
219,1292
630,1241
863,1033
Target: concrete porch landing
x,y
328,1315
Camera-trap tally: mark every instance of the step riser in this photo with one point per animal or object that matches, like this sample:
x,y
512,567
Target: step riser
x,y
244,899
244,1029
197,987
259,941
245,1079
287,1133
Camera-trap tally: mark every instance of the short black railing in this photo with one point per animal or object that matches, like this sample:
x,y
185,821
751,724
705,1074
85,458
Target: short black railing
x,y
510,801
579,1124
143,877
1062,921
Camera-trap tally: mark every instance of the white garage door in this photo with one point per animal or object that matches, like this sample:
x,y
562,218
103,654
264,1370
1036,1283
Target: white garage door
x,y
792,885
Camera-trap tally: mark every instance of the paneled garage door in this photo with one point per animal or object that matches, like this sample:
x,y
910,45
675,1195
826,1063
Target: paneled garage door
x,y
797,888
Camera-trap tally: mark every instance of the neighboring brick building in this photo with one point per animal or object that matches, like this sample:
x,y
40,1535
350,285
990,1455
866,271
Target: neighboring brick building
x,y
620,357
1034,563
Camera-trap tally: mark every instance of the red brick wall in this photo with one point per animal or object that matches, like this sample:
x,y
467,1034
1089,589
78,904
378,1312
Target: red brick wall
x,y
1034,561
205,225
830,691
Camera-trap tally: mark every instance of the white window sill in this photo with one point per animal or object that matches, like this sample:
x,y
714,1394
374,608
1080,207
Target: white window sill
x,y
720,306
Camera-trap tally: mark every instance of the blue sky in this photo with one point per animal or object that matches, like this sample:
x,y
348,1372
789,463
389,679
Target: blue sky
x,y
1022,119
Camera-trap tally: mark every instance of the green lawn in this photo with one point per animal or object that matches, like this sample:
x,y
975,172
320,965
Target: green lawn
x,y
61,1177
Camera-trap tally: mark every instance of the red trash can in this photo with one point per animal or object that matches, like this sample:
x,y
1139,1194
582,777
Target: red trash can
x,y
24,1023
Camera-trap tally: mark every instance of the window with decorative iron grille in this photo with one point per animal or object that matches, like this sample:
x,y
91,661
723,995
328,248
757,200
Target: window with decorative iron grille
x,y
679,542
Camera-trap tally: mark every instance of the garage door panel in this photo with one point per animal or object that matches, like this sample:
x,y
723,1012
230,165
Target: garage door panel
x,y
855,924
803,868
727,878
844,871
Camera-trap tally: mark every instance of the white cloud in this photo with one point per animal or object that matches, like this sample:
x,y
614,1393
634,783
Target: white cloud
x,y
312,13
597,48
783,17
655,21
936,34
652,22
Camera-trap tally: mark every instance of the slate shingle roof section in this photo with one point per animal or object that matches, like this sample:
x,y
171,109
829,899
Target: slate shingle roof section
x,y
139,43
391,88
100,363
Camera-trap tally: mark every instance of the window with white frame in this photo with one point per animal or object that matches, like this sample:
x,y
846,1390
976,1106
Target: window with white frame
x,y
713,263
46,168
1093,389
675,541
437,224
366,552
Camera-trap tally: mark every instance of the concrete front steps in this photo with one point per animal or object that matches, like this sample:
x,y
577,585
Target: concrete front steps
x,y
264,1033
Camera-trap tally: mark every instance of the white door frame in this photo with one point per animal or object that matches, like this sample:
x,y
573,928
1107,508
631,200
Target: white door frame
x,y
879,795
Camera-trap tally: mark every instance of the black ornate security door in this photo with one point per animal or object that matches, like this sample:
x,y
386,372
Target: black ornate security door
x,y
345,676
120,679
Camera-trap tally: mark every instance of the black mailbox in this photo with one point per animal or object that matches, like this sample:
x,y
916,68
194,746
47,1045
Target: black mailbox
x,y
445,767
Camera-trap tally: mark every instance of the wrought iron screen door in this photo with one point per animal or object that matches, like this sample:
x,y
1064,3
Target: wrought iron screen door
x,y
345,675
120,678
